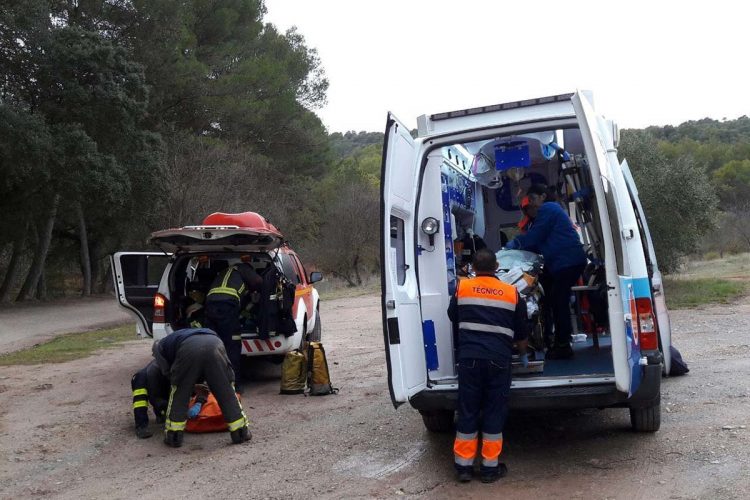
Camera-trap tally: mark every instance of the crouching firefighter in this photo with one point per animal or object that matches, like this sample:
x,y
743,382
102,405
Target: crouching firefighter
x,y
230,292
489,316
149,386
186,357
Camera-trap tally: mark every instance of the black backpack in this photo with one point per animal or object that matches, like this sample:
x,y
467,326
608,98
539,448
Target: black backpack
x,y
678,366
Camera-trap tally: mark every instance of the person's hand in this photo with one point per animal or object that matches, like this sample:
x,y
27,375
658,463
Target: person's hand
x,y
194,410
525,360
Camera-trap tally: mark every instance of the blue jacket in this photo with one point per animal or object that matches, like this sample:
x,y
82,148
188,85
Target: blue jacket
x,y
552,234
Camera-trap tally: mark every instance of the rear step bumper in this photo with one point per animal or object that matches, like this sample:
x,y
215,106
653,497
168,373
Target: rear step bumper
x,y
254,346
565,397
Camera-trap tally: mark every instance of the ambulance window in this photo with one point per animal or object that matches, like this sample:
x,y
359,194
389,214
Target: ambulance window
x,y
398,249
289,270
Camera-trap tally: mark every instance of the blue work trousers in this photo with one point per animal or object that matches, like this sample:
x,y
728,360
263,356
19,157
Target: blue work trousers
x,y
483,391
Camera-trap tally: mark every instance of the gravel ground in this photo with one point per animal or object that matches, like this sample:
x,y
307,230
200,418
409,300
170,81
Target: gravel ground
x,y
66,431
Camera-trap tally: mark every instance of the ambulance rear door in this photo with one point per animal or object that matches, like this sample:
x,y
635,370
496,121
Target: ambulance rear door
x,y
657,285
619,291
402,324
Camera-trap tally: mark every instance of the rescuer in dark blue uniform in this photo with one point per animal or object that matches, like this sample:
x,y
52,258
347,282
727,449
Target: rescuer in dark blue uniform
x,y
149,385
230,292
553,235
187,357
490,317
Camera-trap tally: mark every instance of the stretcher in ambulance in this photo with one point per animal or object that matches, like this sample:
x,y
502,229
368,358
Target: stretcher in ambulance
x,y
165,290
464,174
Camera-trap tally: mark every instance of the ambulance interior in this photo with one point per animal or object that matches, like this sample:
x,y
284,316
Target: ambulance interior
x,y
482,184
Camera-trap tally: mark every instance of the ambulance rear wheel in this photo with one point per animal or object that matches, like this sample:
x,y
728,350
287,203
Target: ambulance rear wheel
x,y
646,419
438,420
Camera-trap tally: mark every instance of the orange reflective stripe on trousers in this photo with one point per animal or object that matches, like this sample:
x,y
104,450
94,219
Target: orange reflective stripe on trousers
x,y
492,446
465,448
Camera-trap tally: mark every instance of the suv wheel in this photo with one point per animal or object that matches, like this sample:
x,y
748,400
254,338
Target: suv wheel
x,y
438,420
646,419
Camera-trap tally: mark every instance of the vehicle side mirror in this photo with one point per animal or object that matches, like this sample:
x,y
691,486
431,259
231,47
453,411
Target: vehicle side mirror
x,y
315,276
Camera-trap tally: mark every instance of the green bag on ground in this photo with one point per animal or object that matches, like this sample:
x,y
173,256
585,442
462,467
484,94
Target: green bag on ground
x,y
318,377
293,373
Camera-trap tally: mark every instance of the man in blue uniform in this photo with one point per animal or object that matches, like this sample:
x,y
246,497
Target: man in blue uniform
x,y
552,234
490,317
189,356
230,292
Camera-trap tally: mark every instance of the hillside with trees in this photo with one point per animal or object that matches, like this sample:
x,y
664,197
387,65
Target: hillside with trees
x,y
694,181
122,117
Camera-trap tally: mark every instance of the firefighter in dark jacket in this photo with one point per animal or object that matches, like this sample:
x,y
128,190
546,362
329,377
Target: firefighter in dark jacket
x,y
189,356
230,292
490,317
149,386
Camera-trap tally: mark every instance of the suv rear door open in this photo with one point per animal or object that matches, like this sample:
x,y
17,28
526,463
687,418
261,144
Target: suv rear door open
x,y
136,276
217,238
404,346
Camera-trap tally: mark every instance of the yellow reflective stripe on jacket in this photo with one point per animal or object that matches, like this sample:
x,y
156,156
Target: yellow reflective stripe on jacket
x,y
140,404
140,392
224,288
226,291
237,424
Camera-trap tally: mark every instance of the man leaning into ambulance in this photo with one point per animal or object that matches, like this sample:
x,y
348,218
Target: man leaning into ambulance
x,y
490,317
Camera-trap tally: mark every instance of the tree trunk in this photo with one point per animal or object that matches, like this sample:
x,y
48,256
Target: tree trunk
x,y
14,267
40,256
41,287
356,270
85,255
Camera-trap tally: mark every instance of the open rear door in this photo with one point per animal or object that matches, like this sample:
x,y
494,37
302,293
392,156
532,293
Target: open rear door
x,y
657,286
402,325
626,365
136,277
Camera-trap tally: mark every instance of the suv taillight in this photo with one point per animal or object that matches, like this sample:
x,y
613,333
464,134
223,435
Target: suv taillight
x,y
160,303
647,334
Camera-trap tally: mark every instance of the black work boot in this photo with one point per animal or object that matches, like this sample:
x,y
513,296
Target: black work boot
x,y
491,477
173,438
142,432
463,476
241,435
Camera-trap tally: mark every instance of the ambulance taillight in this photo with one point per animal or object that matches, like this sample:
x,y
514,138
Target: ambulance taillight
x,y
647,334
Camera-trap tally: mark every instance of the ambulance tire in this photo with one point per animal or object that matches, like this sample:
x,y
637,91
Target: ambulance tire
x,y
646,419
317,330
438,420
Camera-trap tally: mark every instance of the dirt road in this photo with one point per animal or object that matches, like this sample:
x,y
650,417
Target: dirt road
x,y
23,325
65,431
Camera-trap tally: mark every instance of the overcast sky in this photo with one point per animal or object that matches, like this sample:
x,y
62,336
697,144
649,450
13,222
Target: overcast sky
x,y
648,62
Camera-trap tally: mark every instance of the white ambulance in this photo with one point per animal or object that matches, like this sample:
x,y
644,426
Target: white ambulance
x,y
464,174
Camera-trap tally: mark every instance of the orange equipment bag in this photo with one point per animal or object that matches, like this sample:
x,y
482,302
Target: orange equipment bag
x,y
210,418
